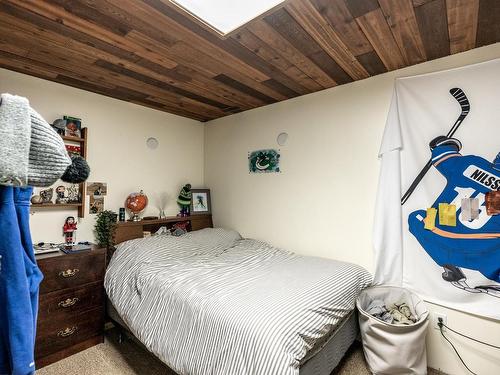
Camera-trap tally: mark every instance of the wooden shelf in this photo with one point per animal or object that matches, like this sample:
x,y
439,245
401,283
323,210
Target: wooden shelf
x,y
168,219
80,207
128,230
72,139
56,205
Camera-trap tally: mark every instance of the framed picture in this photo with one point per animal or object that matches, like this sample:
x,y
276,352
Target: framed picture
x,y
73,127
97,188
200,202
96,204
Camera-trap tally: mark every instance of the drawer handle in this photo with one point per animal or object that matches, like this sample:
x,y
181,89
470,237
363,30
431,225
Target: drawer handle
x,y
69,302
67,331
69,273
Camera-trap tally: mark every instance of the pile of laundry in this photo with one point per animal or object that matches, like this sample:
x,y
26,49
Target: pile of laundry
x,y
393,313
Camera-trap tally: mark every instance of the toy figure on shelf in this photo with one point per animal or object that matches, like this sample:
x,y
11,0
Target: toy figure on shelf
x,y
184,200
60,192
69,230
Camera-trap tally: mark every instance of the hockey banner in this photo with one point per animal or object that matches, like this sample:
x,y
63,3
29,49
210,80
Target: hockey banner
x,y
437,231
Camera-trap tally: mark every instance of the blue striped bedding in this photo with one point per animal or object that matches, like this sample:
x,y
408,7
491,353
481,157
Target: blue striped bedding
x,y
210,302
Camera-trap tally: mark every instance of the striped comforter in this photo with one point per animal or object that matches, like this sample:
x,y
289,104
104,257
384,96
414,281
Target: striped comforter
x,y
210,302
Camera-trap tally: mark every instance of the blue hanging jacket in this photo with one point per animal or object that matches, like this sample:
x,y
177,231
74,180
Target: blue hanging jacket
x,y
20,278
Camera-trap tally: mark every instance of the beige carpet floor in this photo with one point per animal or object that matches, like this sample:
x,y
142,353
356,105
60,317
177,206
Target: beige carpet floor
x,y
128,358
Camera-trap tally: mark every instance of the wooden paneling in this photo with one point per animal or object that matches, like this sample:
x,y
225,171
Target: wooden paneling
x,y
462,24
359,8
380,36
488,28
340,18
433,24
401,19
319,29
152,53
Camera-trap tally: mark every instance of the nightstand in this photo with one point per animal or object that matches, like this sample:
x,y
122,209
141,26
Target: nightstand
x,y
71,309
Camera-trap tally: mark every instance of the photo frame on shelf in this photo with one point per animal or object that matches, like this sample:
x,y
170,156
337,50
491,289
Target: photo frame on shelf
x,y
200,202
73,127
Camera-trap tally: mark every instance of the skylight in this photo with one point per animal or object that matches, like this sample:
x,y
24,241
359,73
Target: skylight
x,y
226,15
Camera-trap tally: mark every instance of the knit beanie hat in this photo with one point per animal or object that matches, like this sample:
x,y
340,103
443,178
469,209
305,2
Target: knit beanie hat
x,y
31,152
184,198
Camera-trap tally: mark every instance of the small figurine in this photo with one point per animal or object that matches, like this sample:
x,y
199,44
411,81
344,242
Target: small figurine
x,y
178,229
69,229
46,195
60,194
36,199
184,200
59,125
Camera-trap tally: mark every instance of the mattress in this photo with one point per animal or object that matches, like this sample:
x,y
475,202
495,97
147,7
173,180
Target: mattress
x,y
320,360
212,302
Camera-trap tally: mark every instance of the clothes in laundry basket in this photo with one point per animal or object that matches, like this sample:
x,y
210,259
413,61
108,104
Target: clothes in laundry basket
x,y
394,313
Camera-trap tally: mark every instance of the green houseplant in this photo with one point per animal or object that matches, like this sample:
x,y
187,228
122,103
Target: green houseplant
x,y
104,228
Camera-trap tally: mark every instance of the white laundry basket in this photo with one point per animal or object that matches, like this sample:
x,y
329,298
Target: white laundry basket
x,y
393,349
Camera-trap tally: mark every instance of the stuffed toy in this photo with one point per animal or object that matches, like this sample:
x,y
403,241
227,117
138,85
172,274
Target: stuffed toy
x,y
184,200
31,151
178,229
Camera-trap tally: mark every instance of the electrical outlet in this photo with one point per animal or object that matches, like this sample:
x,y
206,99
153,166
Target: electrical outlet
x,y
435,320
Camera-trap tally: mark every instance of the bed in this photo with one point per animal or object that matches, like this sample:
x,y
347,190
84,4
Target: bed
x,y
211,302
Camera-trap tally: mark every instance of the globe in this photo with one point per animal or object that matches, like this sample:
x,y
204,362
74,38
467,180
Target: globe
x,y
135,203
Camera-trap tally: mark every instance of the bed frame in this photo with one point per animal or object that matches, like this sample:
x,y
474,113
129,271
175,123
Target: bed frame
x,y
321,359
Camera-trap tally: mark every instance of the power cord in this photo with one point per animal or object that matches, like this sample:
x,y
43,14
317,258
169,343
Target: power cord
x,y
441,325
440,321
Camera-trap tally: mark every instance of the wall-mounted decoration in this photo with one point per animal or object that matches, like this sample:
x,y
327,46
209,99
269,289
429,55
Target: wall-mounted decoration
x,y
449,164
200,201
73,127
96,204
97,188
97,191
264,161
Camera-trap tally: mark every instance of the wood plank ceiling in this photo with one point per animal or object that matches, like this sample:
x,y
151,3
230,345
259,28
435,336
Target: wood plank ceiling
x,y
151,53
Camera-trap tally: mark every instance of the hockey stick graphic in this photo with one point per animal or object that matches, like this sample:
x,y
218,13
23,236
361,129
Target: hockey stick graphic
x,y
460,96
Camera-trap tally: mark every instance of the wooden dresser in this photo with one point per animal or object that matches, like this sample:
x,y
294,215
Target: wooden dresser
x,y
71,310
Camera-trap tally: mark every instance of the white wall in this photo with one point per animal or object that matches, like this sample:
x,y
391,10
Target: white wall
x,y
323,201
117,151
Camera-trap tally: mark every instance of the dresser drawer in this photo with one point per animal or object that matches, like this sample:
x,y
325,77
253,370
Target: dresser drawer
x,y
63,303
55,335
71,270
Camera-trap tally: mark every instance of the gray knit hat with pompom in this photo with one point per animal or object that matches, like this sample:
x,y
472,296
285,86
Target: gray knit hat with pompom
x,y
31,152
